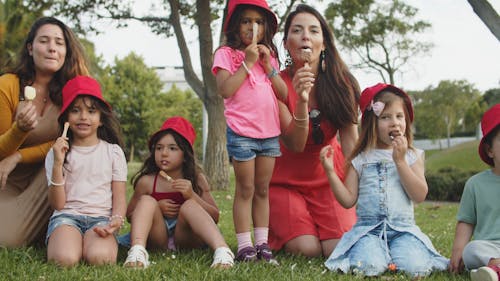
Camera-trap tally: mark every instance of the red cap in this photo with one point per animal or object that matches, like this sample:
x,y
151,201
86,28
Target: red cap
x,y
80,85
181,126
491,119
259,3
369,94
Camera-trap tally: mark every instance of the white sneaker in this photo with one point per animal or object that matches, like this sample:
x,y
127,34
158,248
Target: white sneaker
x,y
223,258
137,257
484,273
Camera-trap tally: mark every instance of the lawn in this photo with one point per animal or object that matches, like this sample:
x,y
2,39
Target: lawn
x,y
436,219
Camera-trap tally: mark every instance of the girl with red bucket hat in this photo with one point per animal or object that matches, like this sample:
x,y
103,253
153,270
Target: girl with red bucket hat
x,y
87,173
172,205
246,70
479,211
385,175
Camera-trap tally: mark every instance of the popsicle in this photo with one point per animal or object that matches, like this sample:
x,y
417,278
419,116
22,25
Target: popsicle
x,y
255,32
29,93
167,177
65,130
394,134
306,56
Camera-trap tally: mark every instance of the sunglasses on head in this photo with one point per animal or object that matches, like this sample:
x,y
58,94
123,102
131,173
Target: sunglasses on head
x,y
317,134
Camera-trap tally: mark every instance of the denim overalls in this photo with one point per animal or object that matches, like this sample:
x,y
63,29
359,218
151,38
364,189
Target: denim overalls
x,y
385,231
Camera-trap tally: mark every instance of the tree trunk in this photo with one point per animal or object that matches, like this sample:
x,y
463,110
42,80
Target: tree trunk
x,y
488,15
131,155
217,162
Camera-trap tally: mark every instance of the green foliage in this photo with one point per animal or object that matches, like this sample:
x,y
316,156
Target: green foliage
x,y
492,97
450,107
447,184
16,18
448,170
381,34
134,90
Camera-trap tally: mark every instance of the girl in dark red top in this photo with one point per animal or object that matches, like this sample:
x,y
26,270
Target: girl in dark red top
x,y
172,205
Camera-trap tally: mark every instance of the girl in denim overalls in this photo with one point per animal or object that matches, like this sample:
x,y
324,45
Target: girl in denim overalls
x,y
385,176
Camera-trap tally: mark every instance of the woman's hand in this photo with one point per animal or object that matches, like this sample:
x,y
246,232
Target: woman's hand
x,y
27,118
302,82
183,186
169,208
6,166
326,158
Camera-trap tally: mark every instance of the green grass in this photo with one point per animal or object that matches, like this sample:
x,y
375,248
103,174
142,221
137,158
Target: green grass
x,y
463,156
435,219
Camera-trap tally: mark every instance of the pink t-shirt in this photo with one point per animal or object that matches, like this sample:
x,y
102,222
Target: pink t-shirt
x,y
88,174
253,110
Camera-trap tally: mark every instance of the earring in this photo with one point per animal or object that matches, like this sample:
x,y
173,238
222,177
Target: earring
x,y
323,63
288,60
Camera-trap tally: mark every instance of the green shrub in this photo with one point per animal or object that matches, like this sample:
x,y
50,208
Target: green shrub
x,y
447,184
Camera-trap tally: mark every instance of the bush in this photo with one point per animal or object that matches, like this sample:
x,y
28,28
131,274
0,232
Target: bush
x,y
447,184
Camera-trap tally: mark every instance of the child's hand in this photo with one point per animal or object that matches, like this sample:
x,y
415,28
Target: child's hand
x,y
251,55
60,148
399,148
456,263
183,186
109,229
326,158
27,118
265,57
169,208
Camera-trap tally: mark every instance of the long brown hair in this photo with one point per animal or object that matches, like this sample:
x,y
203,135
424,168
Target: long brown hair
x,y
74,62
368,136
337,91
190,169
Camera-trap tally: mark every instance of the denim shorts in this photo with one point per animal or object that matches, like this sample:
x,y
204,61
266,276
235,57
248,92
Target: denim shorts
x,y
242,148
80,222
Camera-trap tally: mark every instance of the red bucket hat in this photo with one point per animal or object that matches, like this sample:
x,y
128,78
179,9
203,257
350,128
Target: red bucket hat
x,y
181,126
80,85
369,94
490,120
259,3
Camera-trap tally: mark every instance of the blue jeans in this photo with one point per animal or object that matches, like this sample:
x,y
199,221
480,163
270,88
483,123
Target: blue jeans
x,y
80,222
371,254
242,148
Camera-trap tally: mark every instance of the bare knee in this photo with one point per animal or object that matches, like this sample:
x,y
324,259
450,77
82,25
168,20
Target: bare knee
x,y
100,256
305,247
64,258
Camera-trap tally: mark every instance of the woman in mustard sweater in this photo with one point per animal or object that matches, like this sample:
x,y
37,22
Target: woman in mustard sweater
x,y
50,56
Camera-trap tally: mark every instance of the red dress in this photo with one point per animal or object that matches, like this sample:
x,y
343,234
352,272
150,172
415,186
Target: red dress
x,y
300,198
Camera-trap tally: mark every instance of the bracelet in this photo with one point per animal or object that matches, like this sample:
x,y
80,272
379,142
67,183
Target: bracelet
x,y
56,184
299,119
122,220
273,73
245,66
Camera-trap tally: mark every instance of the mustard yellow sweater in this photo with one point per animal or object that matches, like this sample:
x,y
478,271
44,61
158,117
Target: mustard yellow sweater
x,y
11,137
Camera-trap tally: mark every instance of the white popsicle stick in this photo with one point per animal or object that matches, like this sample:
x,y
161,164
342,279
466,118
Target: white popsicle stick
x,y
65,130
255,32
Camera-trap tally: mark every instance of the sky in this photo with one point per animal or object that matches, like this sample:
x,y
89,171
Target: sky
x,y
464,48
